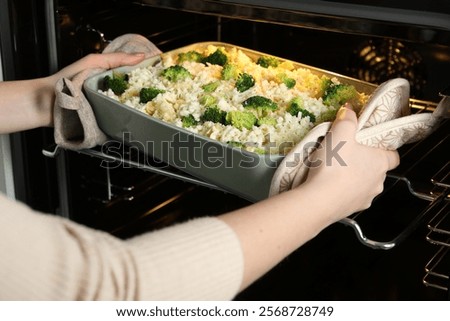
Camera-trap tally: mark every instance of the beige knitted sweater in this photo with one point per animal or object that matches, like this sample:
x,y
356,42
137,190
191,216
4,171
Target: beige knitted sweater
x,y
43,257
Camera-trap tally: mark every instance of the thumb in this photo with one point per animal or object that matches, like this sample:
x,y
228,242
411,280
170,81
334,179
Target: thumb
x,y
117,59
346,122
101,61
345,127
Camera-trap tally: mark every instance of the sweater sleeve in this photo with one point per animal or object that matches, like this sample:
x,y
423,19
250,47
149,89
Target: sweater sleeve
x,y
44,257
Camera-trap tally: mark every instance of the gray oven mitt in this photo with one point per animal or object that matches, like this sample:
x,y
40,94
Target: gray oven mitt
x,y
74,120
384,122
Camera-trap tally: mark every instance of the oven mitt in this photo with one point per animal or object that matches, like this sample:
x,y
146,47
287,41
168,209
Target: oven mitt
x,y
384,122
74,120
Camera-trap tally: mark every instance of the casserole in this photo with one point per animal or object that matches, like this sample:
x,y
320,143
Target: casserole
x,y
235,170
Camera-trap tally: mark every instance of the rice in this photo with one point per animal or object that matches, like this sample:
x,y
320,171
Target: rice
x,y
182,99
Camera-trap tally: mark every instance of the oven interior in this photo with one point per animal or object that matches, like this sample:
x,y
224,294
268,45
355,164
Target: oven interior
x,y
134,194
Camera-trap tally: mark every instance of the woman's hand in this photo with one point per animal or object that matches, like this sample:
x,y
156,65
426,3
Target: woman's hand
x,y
347,172
28,104
102,61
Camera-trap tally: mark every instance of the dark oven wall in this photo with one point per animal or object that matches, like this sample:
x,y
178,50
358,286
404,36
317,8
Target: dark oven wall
x,y
87,26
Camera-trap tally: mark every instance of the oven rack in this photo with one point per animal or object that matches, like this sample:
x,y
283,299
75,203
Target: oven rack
x,y
101,153
435,200
110,161
437,269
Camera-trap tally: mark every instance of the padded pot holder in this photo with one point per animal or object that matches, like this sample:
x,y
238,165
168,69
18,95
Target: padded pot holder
x,y
384,122
75,124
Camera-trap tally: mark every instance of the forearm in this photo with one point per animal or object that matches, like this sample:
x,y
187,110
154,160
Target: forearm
x,y
272,229
26,104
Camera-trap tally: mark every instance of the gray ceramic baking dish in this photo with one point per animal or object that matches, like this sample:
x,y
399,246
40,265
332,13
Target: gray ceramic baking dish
x,y
239,172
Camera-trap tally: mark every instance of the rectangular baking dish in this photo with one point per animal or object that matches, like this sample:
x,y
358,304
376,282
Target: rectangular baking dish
x,y
237,171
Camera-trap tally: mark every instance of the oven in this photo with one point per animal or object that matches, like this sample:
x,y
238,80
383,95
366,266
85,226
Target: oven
x,y
396,250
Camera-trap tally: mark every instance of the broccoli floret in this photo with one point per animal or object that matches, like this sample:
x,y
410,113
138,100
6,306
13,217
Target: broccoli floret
x,y
307,113
176,73
210,87
338,94
149,93
268,61
216,58
214,114
297,106
120,75
260,102
188,121
241,119
118,83
190,56
229,72
270,121
235,144
244,82
256,150
208,100
328,115
289,82
325,83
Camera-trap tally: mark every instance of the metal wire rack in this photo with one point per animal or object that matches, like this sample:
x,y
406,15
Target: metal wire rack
x,y
437,269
